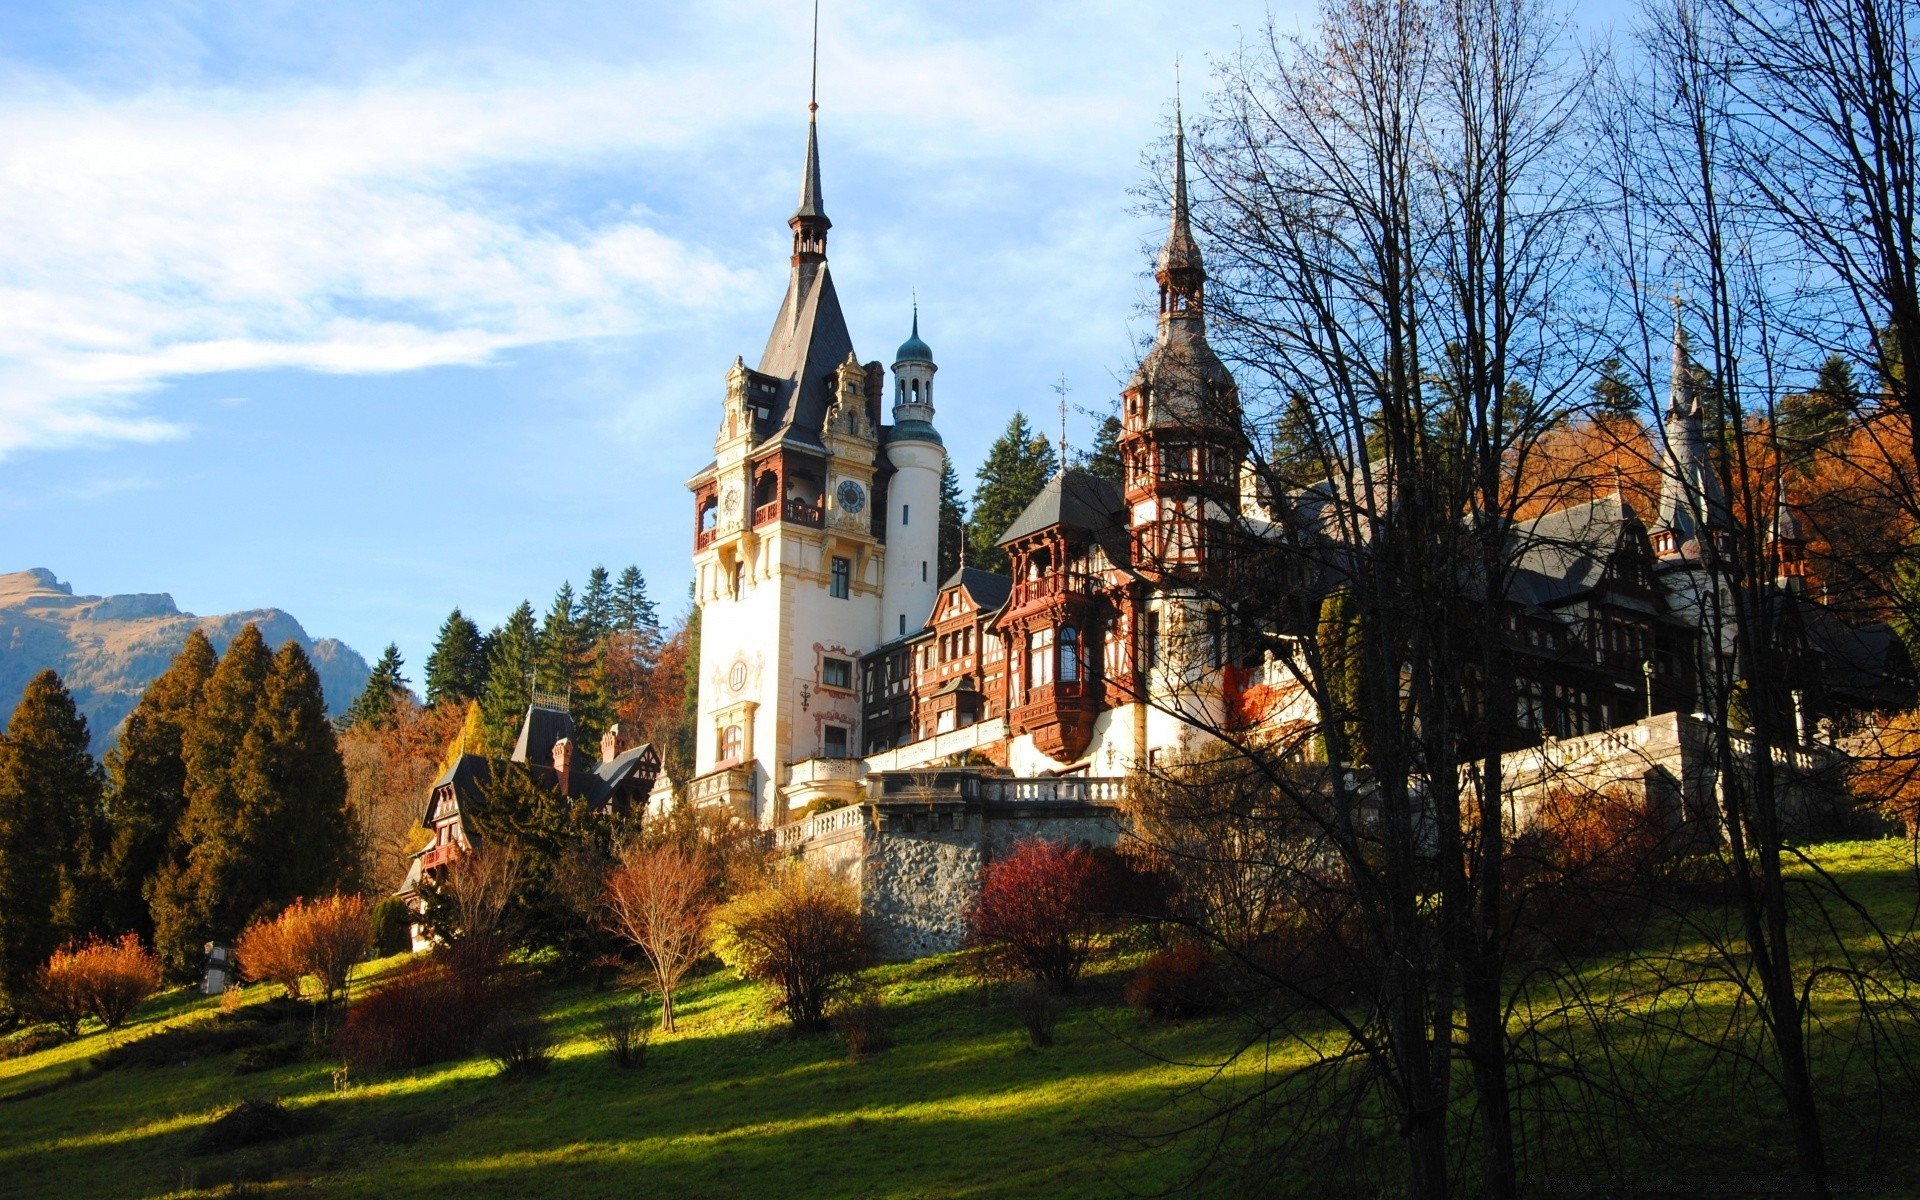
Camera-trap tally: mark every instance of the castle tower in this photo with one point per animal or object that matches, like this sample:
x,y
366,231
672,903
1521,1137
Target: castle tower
x,y
918,459
1692,511
1181,439
787,554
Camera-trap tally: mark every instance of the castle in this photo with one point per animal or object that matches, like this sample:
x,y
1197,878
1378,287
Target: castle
x,y
831,655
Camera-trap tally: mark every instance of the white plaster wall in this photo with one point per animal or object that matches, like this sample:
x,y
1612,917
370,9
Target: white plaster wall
x,y
913,547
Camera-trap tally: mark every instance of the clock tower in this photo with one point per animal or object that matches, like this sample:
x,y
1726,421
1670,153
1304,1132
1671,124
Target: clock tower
x,y
816,530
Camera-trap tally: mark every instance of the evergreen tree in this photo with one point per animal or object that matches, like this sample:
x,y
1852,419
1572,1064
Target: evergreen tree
x,y
540,823
50,790
1810,421
295,826
147,785
632,610
266,815
191,893
953,521
1614,396
596,606
374,706
457,668
1105,459
1341,635
562,646
679,756
510,672
1018,465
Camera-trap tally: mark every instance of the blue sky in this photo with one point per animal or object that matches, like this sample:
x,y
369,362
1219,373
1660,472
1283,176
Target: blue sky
x,y
365,310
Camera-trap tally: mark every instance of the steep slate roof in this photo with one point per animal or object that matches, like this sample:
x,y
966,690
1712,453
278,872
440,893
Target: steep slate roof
x,y
539,730
1568,551
987,590
808,343
1076,500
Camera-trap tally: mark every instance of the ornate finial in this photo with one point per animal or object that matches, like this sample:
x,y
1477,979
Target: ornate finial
x,y
1061,390
813,84
963,545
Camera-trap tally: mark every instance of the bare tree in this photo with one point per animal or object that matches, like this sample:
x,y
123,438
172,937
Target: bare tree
x,y
660,898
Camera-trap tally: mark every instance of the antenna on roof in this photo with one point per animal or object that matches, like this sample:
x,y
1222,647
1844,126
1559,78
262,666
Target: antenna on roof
x,y
813,85
1061,389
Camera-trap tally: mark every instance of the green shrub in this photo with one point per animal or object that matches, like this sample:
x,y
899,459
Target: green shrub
x,y
392,927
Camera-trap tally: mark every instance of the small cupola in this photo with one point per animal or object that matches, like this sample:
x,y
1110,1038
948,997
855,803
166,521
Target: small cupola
x,y
913,371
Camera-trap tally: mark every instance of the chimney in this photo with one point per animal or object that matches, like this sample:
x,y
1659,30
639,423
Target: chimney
x,y
563,764
610,743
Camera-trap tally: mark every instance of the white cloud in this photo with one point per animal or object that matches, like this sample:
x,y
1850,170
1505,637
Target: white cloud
x,y
428,216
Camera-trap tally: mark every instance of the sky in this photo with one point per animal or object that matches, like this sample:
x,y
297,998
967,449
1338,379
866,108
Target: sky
x,y
367,310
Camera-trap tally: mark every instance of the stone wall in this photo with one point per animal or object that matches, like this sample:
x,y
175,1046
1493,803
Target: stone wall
x,y
916,848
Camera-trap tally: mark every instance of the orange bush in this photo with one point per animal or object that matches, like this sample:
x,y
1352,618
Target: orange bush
x,y
323,939
1586,867
104,980
1180,981
432,1010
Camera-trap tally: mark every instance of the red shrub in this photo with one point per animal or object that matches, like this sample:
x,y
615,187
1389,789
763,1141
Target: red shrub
x,y
1586,865
323,939
268,952
105,980
1038,910
431,1011
1180,981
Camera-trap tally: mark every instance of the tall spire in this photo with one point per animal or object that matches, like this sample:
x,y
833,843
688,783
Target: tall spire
x,y
809,221
1680,398
1179,271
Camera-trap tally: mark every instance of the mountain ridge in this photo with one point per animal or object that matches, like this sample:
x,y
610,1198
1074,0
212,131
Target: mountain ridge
x,y
108,648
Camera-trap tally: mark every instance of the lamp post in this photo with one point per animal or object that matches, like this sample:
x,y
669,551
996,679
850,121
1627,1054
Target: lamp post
x,y
1646,668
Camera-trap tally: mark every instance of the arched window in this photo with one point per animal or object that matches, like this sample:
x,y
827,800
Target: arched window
x,y
731,744
709,514
1069,654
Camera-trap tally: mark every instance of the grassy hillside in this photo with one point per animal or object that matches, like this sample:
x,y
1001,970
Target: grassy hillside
x,y
959,1106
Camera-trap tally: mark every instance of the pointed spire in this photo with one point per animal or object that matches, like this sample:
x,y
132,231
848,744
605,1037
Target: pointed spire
x,y
1180,257
1681,401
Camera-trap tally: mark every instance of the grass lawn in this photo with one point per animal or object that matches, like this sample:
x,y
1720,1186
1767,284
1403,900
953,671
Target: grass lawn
x,y
960,1106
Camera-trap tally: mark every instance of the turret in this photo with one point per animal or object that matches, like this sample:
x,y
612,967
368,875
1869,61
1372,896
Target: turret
x,y
918,459
1692,512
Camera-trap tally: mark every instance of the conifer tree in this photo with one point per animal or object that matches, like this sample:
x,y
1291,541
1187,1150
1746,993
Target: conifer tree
x,y
953,521
50,791
513,648
562,646
632,610
457,668
1614,396
295,825
266,815
375,704
1018,465
189,892
1811,420
147,785
596,606
1105,459
678,758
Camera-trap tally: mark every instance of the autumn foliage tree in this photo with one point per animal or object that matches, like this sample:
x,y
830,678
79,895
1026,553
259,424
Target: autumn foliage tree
x,y
659,898
1038,911
800,932
106,980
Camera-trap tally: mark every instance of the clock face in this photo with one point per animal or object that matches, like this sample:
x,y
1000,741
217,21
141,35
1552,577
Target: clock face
x,y
853,498
737,677
730,501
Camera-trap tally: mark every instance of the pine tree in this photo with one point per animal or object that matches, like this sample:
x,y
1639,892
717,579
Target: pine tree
x,y
1105,459
596,606
189,893
50,818
374,707
1018,465
562,647
1614,396
510,672
632,610
147,785
1342,660
953,520
678,758
457,668
1810,421
296,827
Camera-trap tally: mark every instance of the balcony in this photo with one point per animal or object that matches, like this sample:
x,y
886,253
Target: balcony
x,y
1075,790
794,509
827,770
705,537
730,786
1029,590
